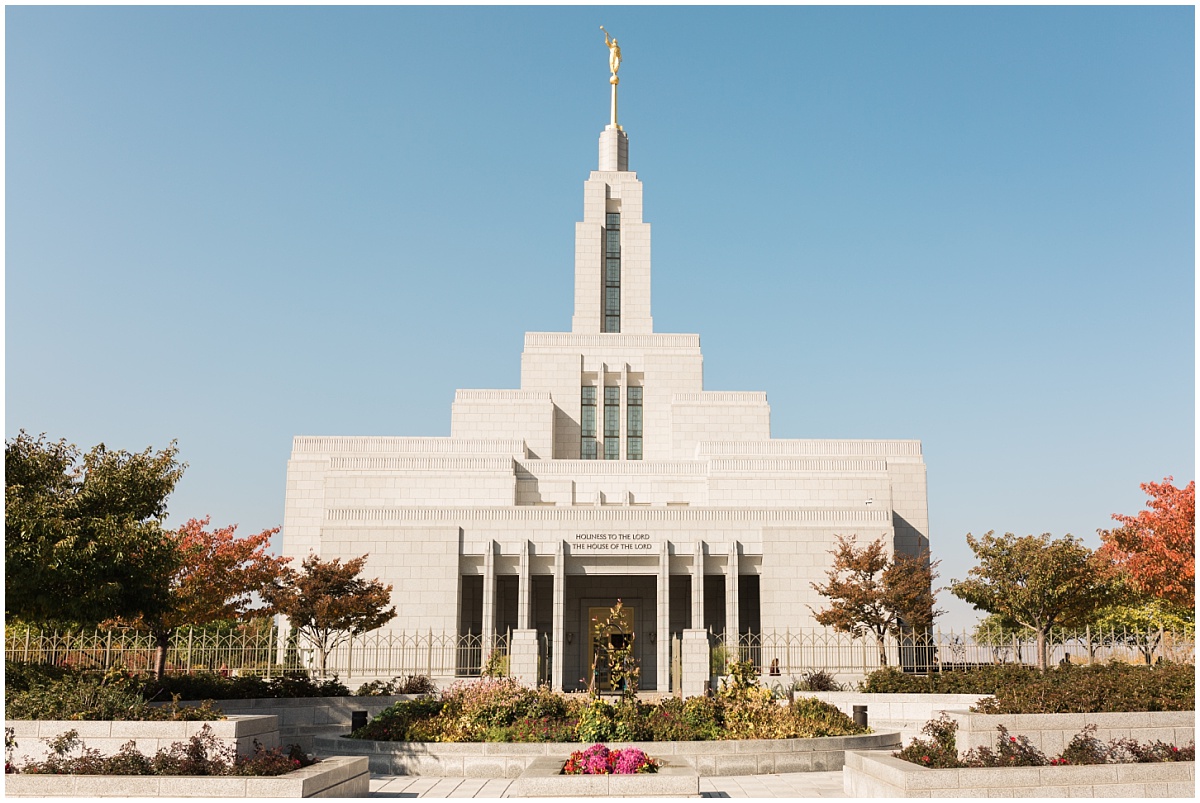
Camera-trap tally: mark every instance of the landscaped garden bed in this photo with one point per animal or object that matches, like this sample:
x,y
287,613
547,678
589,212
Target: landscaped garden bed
x,y
1087,766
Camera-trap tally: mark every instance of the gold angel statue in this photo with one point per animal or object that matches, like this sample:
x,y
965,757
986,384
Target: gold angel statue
x,y
614,53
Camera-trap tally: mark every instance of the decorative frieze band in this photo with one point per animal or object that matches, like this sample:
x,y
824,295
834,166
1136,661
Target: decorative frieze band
x,y
592,468
721,397
315,444
502,394
818,448
424,464
607,515
592,341
792,464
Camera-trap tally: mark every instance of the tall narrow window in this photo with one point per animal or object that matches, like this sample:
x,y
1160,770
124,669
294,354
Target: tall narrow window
x,y
587,421
612,423
612,272
633,424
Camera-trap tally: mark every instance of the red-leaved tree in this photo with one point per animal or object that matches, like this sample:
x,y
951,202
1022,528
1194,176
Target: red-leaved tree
x,y
217,578
1157,548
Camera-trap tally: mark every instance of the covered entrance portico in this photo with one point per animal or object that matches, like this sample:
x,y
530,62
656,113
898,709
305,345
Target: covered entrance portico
x,y
549,604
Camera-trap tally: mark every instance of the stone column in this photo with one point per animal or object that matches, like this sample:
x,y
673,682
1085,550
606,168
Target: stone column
x,y
695,639
731,596
662,633
558,642
523,652
489,598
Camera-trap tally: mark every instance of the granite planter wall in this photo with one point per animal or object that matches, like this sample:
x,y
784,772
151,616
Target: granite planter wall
x,y
302,718
870,774
107,736
543,778
906,713
506,760
340,776
1050,733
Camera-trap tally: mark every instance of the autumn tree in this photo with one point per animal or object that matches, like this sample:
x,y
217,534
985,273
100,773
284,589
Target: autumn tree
x,y
216,578
1156,549
872,592
328,603
83,532
1036,582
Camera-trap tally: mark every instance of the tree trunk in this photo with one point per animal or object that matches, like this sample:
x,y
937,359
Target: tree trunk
x,y
162,640
1041,649
882,650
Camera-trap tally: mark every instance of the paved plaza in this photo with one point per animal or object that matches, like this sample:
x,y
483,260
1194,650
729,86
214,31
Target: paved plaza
x,y
788,784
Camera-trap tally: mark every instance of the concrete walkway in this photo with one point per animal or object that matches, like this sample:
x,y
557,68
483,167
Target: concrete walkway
x,y
788,784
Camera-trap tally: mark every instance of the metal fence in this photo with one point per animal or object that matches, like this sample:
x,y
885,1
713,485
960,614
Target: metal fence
x,y
260,648
790,654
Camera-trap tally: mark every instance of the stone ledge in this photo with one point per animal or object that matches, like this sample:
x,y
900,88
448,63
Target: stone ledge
x,y
726,757
338,776
868,774
543,778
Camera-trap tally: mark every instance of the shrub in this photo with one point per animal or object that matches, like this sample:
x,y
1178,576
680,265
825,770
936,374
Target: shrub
x,y
818,680
213,686
1065,689
815,717
1011,751
398,722
409,684
1098,688
1017,751
595,721
202,754
630,720
939,751
87,697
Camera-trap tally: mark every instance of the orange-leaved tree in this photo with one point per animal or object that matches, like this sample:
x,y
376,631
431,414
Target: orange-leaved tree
x,y
328,603
217,578
1157,548
872,592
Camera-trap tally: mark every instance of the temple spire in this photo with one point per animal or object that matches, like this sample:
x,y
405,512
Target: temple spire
x,y
614,145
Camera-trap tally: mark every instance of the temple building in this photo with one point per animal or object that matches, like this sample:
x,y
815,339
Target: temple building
x,y
610,473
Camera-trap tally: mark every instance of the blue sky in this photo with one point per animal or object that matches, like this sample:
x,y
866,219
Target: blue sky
x,y
971,226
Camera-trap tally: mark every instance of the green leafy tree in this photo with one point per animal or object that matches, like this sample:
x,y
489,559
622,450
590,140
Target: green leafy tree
x,y
328,603
872,592
1038,582
1002,635
1143,624
83,534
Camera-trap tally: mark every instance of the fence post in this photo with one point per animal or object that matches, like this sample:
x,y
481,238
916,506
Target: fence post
x,y
28,630
108,650
429,673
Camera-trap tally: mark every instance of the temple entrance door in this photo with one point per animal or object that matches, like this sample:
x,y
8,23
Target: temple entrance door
x,y
600,642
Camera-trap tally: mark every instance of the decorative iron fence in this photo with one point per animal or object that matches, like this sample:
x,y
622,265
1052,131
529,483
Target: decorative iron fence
x,y
790,654
259,648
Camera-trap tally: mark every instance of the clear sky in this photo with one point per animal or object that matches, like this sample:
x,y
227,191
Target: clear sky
x,y
972,226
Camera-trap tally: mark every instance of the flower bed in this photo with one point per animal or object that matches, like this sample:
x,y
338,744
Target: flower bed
x,y
338,776
871,774
599,760
544,777
941,750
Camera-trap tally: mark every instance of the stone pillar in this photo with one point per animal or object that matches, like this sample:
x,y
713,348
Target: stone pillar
x,y
523,652
731,596
489,598
558,641
695,647
662,633
523,588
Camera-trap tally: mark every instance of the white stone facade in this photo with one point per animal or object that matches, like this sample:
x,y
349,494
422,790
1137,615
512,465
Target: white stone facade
x,y
507,525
